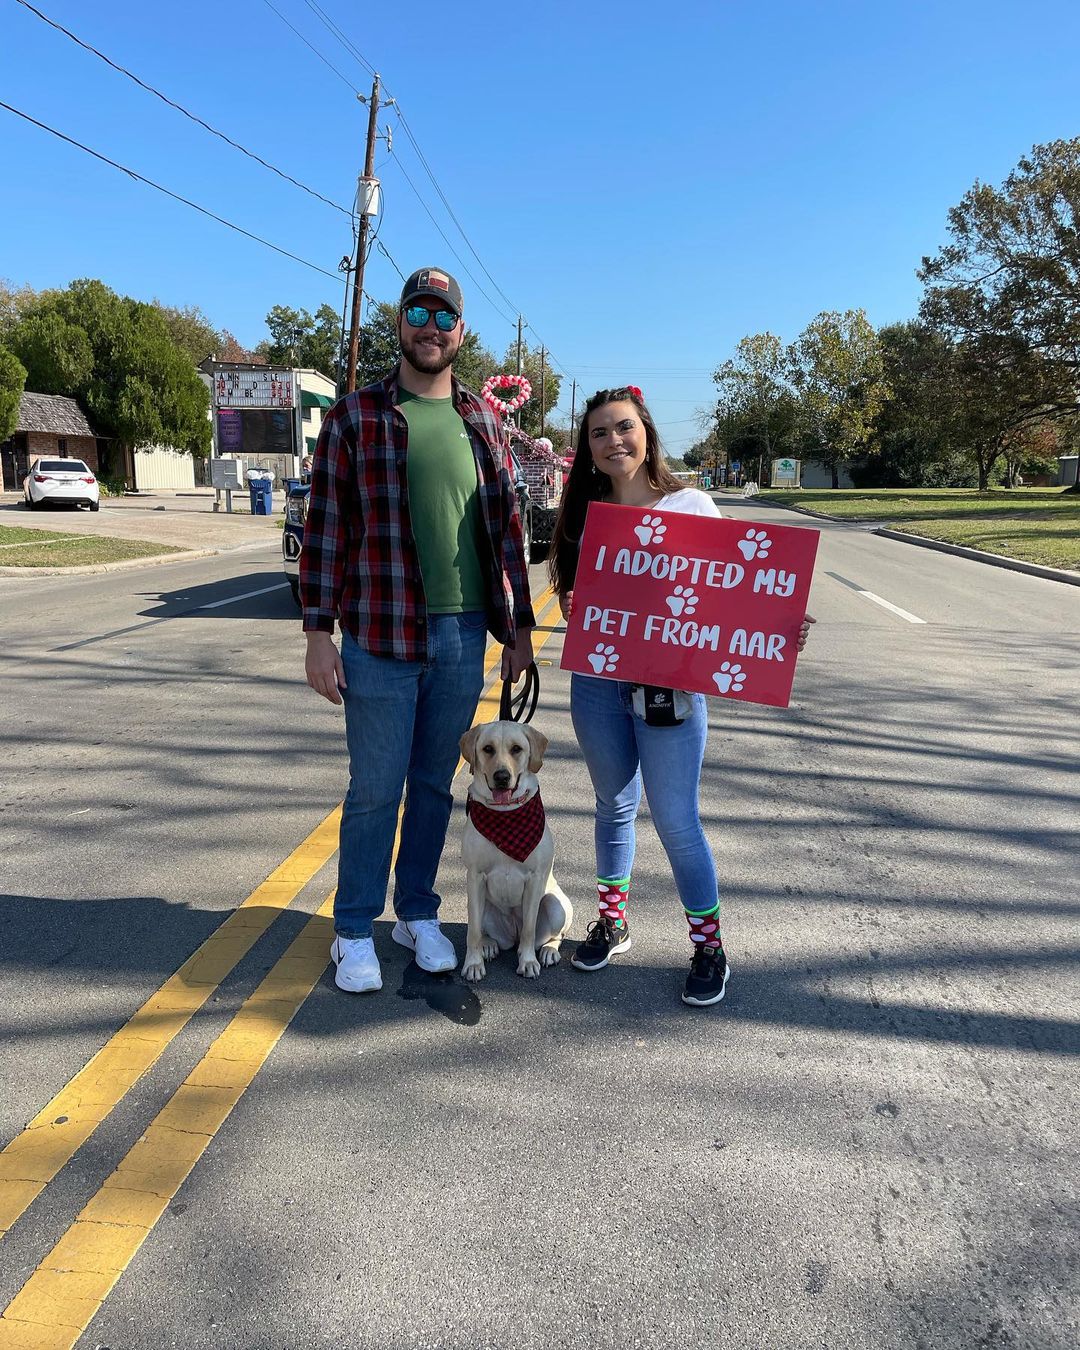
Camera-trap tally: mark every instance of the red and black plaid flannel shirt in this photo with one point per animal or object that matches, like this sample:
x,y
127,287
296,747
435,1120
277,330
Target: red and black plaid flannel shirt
x,y
359,563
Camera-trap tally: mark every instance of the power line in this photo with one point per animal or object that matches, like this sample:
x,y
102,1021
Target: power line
x,y
386,254
168,192
86,46
350,47
358,55
343,78
449,245
449,209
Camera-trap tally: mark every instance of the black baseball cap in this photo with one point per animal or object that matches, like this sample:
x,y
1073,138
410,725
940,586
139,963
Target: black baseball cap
x,y
430,283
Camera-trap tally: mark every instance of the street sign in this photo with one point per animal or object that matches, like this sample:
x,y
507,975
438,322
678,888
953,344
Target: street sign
x,y
786,473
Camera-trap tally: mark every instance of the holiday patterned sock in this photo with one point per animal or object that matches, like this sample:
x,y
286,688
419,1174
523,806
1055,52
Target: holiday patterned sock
x,y
612,896
705,926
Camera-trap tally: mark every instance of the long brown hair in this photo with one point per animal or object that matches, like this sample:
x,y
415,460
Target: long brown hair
x,y
586,484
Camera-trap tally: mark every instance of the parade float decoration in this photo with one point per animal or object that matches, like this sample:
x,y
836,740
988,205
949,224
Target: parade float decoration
x,y
544,470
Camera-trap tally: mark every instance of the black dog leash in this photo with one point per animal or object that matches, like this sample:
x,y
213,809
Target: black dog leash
x,y
512,706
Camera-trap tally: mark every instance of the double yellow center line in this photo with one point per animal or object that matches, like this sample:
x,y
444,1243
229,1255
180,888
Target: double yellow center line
x,y
63,1294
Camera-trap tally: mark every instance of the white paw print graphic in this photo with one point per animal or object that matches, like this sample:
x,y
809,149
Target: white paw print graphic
x,y
603,659
756,545
651,530
730,678
682,601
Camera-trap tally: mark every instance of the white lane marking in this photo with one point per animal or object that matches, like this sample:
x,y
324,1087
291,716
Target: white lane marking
x,y
887,604
250,595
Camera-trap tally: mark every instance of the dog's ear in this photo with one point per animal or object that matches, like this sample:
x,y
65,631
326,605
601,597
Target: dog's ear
x,y
468,746
538,744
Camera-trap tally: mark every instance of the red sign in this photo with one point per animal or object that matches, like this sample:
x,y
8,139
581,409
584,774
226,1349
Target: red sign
x,y
690,602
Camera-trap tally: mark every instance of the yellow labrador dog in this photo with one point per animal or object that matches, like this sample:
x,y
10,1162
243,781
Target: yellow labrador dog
x,y
508,852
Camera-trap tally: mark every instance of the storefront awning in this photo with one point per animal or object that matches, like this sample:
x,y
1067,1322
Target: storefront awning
x,y
312,400
309,442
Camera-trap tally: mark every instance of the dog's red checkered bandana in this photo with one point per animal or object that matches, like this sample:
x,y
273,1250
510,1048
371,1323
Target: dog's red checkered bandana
x,y
515,833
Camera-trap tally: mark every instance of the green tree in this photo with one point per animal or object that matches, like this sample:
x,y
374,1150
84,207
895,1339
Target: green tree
x,y
304,340
837,371
117,357
12,383
14,303
915,438
533,417
379,350
1007,285
57,354
755,409
191,331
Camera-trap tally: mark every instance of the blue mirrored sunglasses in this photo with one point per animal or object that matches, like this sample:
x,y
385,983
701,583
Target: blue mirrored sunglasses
x,y
416,316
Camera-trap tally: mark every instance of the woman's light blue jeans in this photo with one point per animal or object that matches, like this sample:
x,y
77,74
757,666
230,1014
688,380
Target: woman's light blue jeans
x,y
622,751
403,722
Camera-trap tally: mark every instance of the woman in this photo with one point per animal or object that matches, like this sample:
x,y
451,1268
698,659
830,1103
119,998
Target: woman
x,y
619,459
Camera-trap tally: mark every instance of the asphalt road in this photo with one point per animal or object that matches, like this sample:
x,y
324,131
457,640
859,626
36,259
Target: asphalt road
x,y
871,1143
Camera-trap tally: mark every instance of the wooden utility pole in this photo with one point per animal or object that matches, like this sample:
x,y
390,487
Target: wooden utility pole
x,y
361,244
543,388
573,408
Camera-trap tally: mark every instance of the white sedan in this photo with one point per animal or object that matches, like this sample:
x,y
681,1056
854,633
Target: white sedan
x,y
61,480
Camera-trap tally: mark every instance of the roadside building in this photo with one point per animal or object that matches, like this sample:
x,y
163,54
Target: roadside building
x,y
50,426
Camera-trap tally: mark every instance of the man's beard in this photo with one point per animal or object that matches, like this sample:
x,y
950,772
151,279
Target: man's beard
x,y
427,359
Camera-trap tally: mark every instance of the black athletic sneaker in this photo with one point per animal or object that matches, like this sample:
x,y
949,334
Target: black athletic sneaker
x,y
602,941
708,977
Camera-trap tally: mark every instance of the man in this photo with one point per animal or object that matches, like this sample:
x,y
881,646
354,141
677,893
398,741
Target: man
x,y
413,544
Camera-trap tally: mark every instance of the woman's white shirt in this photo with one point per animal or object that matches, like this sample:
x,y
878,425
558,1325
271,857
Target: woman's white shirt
x,y
688,501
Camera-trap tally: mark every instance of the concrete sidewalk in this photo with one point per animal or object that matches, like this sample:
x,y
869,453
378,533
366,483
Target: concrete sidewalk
x,y
184,520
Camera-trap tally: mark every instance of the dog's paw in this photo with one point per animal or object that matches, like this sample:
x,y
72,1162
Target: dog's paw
x,y
528,965
549,955
474,968
491,949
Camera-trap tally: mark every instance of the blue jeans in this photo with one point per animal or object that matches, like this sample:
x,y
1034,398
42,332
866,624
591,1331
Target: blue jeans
x,y
621,751
403,722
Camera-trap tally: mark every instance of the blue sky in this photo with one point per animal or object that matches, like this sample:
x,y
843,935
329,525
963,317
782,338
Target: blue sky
x,y
646,184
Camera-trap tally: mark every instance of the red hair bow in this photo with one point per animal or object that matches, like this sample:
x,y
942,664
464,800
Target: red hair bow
x,y
633,389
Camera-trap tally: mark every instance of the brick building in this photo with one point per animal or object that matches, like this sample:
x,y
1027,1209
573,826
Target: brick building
x,y
49,426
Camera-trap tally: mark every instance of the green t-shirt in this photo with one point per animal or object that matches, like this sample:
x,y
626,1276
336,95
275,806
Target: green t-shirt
x,y
444,505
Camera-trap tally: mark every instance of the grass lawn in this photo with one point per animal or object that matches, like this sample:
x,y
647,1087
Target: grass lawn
x,y
43,548
1039,525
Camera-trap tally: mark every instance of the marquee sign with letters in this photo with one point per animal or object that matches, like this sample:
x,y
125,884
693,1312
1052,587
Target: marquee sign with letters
x,y
254,389
690,602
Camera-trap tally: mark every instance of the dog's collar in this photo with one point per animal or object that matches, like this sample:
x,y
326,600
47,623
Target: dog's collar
x,y
515,833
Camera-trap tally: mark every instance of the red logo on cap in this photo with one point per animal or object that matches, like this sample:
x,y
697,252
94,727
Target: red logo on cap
x,y
437,281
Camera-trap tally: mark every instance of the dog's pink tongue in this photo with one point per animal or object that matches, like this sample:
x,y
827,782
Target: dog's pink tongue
x,y
501,796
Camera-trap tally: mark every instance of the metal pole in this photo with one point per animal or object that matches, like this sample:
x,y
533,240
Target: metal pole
x,y
543,388
361,245
517,418
573,407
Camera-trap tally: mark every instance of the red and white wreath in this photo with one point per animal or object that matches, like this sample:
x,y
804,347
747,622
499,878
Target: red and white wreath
x,y
506,406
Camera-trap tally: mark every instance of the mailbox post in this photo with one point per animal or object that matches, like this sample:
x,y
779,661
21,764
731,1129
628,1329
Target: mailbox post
x,y
226,475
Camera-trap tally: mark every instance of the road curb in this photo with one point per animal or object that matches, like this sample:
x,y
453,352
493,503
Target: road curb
x,y
980,555
938,545
91,568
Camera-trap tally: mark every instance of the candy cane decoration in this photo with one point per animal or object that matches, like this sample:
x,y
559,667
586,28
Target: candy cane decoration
x,y
506,406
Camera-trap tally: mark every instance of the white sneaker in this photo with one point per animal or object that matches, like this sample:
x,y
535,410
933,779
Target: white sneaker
x,y
434,951
357,965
